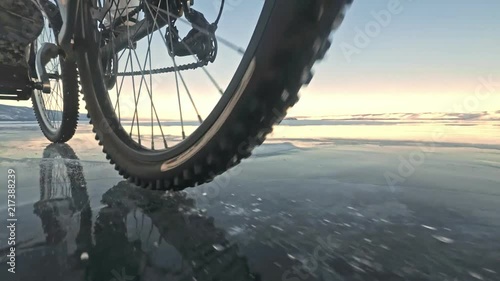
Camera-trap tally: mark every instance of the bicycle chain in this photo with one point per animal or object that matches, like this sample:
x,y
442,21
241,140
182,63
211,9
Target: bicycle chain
x,y
189,66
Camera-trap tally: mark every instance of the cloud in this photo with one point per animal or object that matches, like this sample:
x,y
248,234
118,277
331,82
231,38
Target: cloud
x,y
413,117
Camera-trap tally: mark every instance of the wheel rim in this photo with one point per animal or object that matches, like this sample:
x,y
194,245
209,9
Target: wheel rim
x,y
157,140
50,105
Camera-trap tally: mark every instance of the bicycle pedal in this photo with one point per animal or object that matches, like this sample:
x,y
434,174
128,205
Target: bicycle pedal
x,y
14,83
9,93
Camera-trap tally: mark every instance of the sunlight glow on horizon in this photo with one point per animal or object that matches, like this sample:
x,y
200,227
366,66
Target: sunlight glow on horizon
x,y
428,59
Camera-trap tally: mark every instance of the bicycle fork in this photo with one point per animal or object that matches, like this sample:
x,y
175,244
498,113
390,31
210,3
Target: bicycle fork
x,y
59,18
69,12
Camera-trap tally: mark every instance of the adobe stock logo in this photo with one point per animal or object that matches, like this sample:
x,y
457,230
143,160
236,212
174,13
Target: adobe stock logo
x,y
372,29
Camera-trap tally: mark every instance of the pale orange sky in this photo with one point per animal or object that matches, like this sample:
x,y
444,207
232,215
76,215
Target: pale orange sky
x,y
430,57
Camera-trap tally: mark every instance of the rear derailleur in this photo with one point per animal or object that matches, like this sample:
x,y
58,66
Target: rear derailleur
x,y
200,40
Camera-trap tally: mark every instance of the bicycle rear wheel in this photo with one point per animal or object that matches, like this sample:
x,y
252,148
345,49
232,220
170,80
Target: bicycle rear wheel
x,y
289,37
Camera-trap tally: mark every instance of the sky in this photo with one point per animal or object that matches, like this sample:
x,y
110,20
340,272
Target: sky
x,y
430,56
388,56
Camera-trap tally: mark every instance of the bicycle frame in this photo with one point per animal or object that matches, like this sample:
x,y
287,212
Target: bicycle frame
x,y
69,13
138,31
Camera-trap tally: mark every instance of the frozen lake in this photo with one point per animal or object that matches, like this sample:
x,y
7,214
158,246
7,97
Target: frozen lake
x,y
311,204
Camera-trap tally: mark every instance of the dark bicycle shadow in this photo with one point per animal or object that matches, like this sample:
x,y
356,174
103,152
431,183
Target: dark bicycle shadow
x,y
137,235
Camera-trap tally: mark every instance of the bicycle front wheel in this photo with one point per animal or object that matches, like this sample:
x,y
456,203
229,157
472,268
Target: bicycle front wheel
x,y
57,111
162,132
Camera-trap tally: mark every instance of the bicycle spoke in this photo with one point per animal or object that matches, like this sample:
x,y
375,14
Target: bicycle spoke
x,y
155,24
151,92
140,83
136,99
200,119
59,109
135,103
221,91
118,91
151,95
176,78
143,80
190,98
52,110
141,70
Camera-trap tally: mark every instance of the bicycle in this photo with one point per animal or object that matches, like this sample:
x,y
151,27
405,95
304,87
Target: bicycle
x,y
52,81
108,38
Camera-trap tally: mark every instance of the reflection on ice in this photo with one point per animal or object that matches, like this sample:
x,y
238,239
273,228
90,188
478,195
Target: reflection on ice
x,y
288,136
